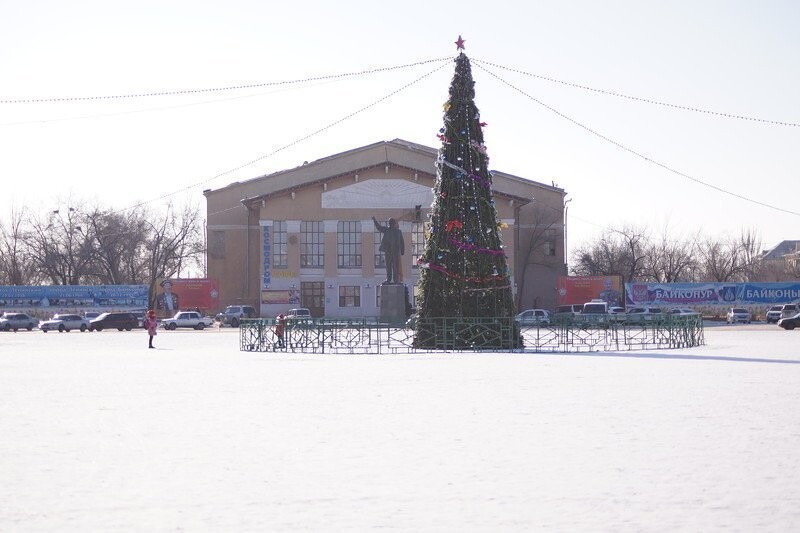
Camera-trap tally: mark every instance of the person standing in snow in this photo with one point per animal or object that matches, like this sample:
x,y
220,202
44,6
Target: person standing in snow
x,y
280,325
151,324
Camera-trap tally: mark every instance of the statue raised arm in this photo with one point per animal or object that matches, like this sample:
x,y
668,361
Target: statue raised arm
x,y
393,246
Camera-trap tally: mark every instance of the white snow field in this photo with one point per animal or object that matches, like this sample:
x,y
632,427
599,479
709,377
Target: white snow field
x,y
98,433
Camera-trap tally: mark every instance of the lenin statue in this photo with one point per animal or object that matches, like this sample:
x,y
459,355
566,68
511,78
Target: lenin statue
x,y
393,246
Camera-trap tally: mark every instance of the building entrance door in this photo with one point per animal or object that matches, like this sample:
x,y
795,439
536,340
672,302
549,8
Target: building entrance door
x,y
312,296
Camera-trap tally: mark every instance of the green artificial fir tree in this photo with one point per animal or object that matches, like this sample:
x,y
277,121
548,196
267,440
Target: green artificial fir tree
x,y
464,272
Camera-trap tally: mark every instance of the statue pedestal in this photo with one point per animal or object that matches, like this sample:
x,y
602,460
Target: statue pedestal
x,y
393,303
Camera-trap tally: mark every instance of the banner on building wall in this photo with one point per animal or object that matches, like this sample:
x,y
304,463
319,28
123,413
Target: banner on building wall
x,y
73,296
711,294
187,293
266,254
277,296
580,289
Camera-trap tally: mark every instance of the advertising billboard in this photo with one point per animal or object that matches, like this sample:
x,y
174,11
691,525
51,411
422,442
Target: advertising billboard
x,y
173,294
19,297
581,289
712,294
278,296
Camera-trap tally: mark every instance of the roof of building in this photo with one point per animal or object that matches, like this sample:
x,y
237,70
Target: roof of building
x,y
397,151
783,248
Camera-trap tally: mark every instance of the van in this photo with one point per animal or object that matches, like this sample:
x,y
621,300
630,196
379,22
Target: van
x,y
595,307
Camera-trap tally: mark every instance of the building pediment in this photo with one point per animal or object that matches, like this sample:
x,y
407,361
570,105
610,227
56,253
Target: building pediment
x,y
378,194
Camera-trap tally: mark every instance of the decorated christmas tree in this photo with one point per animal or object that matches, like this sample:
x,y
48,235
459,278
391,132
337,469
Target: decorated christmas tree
x,y
464,271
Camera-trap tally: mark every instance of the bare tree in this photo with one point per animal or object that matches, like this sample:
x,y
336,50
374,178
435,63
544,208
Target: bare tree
x,y
720,260
120,241
171,244
617,252
752,265
16,266
61,251
671,260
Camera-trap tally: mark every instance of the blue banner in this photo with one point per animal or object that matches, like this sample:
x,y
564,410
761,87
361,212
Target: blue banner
x,y
711,294
73,296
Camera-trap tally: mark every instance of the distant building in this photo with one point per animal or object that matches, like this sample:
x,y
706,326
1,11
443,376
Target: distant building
x,y
304,237
782,263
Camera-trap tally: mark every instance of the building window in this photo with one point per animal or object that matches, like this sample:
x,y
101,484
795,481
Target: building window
x,y
417,242
279,257
312,244
550,243
216,244
380,257
349,296
348,244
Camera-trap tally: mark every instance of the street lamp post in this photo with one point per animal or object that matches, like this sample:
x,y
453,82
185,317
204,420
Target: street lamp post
x,y
566,254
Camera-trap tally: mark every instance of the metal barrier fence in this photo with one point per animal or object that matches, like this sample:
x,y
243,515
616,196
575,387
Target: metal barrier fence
x,y
581,334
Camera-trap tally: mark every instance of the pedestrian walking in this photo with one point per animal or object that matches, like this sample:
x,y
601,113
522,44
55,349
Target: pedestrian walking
x,y
151,324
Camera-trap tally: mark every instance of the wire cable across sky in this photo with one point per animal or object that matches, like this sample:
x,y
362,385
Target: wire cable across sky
x,y
639,99
634,152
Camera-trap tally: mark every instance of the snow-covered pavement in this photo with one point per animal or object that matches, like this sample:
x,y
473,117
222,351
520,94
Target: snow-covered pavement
x,y
98,433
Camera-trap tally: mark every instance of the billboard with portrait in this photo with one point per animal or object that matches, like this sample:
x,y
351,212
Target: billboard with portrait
x,y
581,289
173,294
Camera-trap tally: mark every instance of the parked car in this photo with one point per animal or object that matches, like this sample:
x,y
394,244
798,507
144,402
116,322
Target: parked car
x,y
533,317
643,314
233,314
774,314
64,322
573,310
790,323
121,321
789,310
89,315
300,312
738,314
683,311
187,319
616,314
15,321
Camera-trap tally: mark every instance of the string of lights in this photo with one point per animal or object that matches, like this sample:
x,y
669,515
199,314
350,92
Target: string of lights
x,y
634,152
165,108
56,99
293,143
637,98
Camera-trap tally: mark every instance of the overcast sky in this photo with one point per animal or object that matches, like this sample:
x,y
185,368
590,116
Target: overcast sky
x,y
738,58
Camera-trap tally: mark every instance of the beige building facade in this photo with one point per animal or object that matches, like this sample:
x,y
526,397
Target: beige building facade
x,y
304,237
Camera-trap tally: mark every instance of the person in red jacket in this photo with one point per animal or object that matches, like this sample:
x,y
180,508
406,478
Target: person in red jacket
x,y
151,324
280,326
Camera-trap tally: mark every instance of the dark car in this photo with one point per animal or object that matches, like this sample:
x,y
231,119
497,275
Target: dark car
x,y
126,321
790,323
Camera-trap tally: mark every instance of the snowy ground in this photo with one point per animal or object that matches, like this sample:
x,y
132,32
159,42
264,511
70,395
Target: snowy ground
x,y
97,433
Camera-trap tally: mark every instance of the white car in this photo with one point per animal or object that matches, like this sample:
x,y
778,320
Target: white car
x,y
15,321
738,314
683,311
642,314
774,314
64,322
533,317
616,314
187,319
